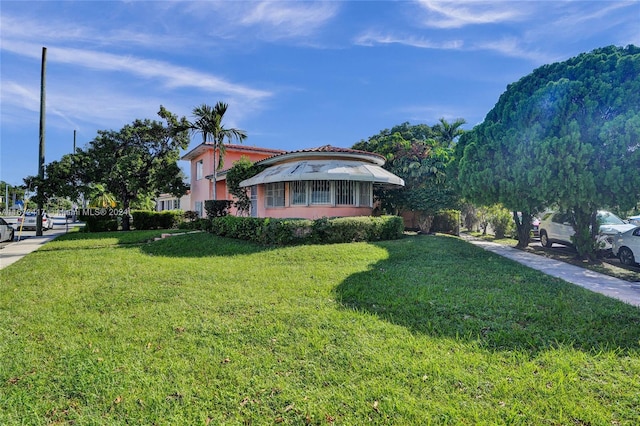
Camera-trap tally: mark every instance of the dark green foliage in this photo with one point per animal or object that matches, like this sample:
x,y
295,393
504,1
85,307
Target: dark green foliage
x,y
271,231
420,155
501,221
144,219
447,222
190,215
241,170
98,220
217,208
61,180
203,224
567,135
136,162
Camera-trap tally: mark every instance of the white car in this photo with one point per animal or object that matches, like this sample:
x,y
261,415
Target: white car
x,y
634,220
555,227
28,221
6,231
626,246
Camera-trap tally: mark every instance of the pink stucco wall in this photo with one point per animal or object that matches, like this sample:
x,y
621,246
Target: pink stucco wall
x,y
202,189
306,212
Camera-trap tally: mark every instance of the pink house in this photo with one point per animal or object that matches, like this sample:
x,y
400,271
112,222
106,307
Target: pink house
x,y
320,182
202,159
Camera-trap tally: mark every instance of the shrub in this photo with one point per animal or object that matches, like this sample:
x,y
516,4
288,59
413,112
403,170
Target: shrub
x,y
217,208
447,221
191,215
98,220
203,224
501,221
144,219
270,231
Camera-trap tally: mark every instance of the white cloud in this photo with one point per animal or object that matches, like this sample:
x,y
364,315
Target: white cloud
x,y
290,19
514,48
267,20
372,38
457,14
22,28
170,75
104,106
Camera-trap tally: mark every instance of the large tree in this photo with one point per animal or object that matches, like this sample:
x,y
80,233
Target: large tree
x,y
208,122
61,180
567,136
419,154
138,160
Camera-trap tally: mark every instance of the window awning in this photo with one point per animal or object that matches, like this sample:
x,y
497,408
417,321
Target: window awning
x,y
324,170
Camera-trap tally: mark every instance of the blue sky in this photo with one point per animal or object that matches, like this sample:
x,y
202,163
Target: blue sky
x,y
295,74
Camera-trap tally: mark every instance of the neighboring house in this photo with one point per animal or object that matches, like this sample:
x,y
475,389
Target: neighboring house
x,y
202,159
171,202
321,182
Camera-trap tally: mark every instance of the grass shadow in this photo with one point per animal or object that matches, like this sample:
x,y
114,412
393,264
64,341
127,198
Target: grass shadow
x,y
183,244
201,244
445,287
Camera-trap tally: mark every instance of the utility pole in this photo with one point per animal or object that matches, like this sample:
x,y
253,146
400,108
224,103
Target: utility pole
x,y
74,142
43,74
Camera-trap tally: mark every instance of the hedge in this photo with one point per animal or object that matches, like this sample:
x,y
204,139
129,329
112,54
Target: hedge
x,y
447,222
144,219
270,231
98,220
216,208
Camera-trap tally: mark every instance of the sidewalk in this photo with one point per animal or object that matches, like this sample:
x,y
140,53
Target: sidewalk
x,y
626,291
16,250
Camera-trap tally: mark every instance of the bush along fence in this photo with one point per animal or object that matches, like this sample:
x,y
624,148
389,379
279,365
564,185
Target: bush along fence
x,y
99,220
143,219
270,231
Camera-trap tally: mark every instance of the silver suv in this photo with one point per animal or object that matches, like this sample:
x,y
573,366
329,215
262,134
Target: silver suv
x,y
555,227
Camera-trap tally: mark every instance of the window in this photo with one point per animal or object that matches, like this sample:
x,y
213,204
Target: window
x,y
345,192
298,193
198,207
199,170
275,194
320,192
365,194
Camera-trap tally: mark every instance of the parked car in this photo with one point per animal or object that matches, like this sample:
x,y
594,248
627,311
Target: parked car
x,y
626,246
6,231
634,220
555,227
535,227
28,221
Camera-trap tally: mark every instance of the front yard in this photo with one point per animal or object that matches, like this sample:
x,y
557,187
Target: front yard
x,y
115,328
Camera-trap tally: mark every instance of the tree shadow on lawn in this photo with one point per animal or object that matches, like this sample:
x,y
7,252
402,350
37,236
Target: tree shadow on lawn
x,y
201,244
182,244
459,291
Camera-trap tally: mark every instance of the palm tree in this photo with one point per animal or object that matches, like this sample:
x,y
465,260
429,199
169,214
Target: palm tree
x,y
100,197
448,132
209,124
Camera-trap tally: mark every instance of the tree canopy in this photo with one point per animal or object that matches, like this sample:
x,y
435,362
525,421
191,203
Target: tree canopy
x,y
567,136
419,154
140,160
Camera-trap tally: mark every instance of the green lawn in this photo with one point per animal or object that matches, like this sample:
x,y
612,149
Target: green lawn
x,y
194,330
